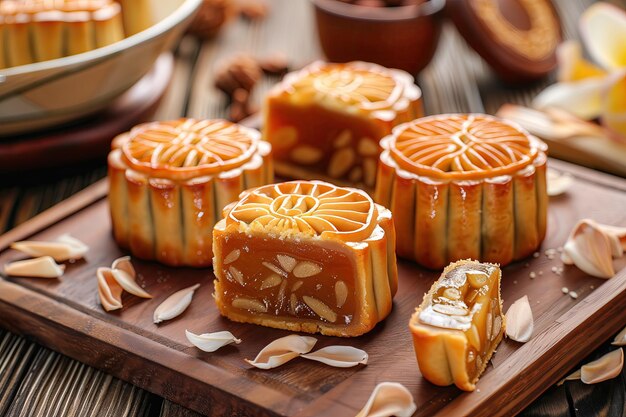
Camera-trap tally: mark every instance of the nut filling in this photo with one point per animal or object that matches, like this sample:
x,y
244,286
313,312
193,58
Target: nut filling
x,y
459,324
309,291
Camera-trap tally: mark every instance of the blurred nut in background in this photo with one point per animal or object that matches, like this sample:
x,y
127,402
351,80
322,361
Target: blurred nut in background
x,y
240,71
211,17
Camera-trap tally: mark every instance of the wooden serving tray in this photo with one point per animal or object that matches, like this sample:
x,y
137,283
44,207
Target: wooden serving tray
x,y
65,315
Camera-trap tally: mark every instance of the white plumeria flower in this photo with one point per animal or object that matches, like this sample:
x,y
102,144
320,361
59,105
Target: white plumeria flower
x,y
596,89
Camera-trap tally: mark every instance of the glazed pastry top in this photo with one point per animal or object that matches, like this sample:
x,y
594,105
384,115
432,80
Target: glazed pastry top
x,y
305,209
463,146
187,148
354,87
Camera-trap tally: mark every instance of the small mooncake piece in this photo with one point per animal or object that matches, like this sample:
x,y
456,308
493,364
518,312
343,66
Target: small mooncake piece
x,y
459,324
169,182
307,257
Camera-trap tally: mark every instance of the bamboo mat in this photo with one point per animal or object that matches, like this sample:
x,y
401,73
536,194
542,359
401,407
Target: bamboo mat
x,y
34,381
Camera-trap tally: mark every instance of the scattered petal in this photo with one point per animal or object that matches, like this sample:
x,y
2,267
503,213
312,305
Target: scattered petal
x,y
603,30
574,376
63,249
79,249
389,399
210,342
607,367
590,249
124,264
571,64
109,291
129,284
581,98
558,182
282,350
42,267
175,304
339,356
519,321
620,339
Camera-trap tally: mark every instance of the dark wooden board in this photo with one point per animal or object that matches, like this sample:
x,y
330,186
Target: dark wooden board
x,y
65,315
90,137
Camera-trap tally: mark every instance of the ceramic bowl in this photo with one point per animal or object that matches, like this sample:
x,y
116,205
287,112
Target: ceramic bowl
x,y
402,37
44,94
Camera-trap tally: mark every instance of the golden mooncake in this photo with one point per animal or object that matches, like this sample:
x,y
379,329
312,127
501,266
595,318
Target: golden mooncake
x,y
325,121
307,257
464,186
169,182
459,324
40,30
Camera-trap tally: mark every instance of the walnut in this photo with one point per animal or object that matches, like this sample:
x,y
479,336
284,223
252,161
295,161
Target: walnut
x,y
253,9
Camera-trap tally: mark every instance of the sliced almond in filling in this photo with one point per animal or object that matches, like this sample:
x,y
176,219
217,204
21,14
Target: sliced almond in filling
x,y
306,269
320,309
250,304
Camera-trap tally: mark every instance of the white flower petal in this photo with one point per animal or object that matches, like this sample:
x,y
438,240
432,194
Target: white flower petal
x,y
607,367
339,356
124,264
129,284
175,304
519,321
282,350
79,249
109,291
582,98
210,342
42,267
389,399
590,249
603,30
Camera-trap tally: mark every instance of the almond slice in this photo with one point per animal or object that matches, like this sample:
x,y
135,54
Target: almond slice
x,y
286,262
175,304
282,350
306,269
558,182
210,342
109,291
389,399
620,339
339,356
607,367
64,248
42,267
126,281
519,321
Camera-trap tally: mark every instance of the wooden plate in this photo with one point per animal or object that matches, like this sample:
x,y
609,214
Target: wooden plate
x,y
65,315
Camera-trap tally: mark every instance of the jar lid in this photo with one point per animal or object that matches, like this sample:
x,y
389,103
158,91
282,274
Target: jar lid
x,y
517,38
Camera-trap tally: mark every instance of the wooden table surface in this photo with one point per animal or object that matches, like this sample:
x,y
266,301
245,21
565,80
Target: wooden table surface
x,y
35,381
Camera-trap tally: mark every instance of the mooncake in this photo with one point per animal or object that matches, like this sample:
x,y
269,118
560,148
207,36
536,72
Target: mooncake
x,y
325,121
305,256
464,186
459,324
169,182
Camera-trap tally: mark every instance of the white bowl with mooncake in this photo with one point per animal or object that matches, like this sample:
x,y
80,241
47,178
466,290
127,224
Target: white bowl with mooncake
x,y
38,92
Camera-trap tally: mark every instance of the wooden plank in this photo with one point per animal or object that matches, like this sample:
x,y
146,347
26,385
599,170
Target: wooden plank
x,y
65,315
